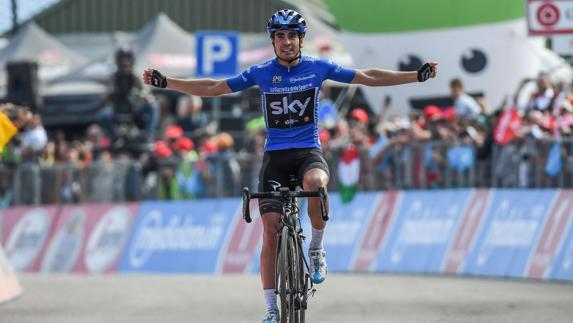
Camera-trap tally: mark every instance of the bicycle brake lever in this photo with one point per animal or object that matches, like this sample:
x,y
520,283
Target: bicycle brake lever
x,y
246,207
323,210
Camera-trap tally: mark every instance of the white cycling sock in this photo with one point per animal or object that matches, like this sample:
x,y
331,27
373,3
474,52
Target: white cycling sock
x,y
316,240
271,298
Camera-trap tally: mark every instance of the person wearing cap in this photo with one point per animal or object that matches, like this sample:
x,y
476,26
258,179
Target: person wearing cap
x,y
290,86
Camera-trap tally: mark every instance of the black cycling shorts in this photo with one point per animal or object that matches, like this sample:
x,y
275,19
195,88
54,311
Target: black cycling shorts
x,y
278,168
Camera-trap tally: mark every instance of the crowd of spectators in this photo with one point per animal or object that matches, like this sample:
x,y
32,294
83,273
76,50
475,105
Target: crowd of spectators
x,y
180,154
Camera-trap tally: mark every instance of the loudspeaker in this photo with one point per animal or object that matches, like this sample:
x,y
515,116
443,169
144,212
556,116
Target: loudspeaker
x,y
23,84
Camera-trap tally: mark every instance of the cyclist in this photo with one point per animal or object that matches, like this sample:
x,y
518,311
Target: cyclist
x,y
290,84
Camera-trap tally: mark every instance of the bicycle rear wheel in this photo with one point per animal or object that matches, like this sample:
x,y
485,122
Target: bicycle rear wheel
x,y
282,275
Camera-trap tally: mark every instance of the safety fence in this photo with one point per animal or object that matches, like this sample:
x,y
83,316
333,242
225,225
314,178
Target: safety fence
x,y
518,233
525,163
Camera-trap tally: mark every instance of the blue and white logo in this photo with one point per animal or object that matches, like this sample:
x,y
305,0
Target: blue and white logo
x,y
217,53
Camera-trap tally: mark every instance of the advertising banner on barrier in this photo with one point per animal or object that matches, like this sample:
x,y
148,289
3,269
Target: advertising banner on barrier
x,y
512,227
89,238
176,237
376,232
467,231
243,241
25,233
421,234
554,231
561,266
344,230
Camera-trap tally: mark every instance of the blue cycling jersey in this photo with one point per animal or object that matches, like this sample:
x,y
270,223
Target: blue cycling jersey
x,y
290,97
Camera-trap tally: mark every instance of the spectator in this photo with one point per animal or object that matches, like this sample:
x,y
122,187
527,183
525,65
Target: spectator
x,y
34,139
131,104
543,98
190,115
466,106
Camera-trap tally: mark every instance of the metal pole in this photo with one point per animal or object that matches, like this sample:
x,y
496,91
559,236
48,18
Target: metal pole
x,y
14,16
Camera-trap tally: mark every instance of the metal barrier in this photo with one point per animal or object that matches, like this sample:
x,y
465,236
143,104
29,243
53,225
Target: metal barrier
x,y
427,165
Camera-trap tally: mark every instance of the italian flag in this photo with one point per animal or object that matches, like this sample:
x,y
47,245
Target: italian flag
x,y
348,173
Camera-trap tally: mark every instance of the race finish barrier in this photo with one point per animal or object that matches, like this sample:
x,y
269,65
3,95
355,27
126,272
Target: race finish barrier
x,y
518,233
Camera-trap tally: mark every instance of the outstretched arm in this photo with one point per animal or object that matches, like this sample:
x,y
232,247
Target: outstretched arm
x,y
198,87
380,77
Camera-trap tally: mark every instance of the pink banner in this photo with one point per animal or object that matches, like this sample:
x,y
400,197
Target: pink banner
x,y
373,239
551,236
25,233
89,238
242,245
468,229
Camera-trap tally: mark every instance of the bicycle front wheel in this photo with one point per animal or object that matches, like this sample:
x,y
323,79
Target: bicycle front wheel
x,y
289,278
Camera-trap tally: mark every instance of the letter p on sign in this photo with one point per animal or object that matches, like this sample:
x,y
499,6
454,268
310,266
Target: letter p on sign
x,y
217,53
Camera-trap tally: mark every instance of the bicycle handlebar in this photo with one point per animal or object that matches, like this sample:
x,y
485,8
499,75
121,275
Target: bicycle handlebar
x,y
283,193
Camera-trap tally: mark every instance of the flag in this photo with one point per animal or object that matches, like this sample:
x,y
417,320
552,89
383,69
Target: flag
x,y
348,173
506,129
7,130
553,164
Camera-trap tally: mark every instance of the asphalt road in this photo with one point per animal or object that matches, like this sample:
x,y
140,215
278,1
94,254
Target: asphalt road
x,y
343,298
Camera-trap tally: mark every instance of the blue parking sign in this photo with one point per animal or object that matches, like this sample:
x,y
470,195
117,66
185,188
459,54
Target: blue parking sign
x,y
217,53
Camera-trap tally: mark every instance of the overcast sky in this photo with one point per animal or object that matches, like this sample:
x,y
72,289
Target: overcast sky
x,y
26,9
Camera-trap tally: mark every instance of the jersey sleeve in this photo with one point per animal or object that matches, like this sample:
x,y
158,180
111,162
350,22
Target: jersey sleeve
x,y
241,81
337,73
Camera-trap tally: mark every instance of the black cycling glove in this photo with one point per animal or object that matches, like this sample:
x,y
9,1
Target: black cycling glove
x,y
424,72
158,79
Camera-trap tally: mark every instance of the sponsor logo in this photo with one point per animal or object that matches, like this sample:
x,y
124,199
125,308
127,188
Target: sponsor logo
x,y
107,239
27,238
277,79
66,244
302,78
293,109
294,88
177,234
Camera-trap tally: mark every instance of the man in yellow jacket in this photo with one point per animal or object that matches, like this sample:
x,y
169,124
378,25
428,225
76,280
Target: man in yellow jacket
x,y
12,119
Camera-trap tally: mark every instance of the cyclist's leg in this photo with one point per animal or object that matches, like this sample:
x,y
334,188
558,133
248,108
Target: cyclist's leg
x,y
271,226
315,175
313,179
270,178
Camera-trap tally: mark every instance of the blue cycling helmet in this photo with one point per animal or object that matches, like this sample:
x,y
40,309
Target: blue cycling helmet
x,y
286,19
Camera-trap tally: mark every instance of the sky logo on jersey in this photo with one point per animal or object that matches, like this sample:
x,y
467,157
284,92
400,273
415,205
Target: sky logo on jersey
x,y
290,110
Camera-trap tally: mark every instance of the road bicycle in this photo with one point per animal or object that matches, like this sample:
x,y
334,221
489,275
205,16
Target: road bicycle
x,y
292,278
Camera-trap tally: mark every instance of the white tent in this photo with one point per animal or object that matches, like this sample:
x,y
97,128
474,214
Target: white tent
x,y
33,43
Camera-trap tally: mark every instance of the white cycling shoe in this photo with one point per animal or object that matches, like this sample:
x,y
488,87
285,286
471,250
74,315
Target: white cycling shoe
x,y
317,264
